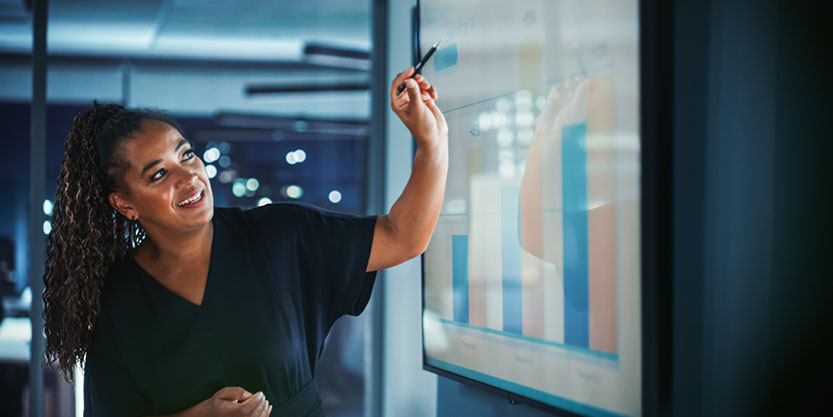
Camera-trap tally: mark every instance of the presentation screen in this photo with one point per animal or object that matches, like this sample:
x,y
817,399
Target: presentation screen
x,y
531,282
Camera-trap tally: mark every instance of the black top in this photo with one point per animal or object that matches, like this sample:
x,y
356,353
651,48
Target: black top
x,y
278,278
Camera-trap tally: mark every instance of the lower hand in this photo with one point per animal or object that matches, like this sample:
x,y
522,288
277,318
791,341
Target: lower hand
x,y
237,402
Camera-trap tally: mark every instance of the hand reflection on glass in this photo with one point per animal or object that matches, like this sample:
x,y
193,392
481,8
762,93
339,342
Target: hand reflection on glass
x,y
541,185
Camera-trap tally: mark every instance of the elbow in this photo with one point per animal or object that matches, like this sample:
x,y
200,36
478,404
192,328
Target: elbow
x,y
419,250
412,250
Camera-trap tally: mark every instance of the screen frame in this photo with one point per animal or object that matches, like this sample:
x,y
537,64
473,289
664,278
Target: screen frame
x,y
656,31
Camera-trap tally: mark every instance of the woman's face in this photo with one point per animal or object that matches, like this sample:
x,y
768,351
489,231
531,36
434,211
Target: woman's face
x,y
167,185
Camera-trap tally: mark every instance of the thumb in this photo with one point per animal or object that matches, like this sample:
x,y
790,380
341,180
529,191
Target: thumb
x,y
413,92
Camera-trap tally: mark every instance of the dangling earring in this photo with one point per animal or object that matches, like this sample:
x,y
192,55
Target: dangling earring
x,y
132,231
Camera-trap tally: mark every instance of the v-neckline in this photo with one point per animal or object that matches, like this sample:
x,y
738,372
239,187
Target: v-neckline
x,y
167,290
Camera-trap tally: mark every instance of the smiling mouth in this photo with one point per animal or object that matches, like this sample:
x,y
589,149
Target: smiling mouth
x,y
195,199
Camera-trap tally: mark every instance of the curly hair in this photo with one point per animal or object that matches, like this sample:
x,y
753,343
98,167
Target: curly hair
x,y
88,234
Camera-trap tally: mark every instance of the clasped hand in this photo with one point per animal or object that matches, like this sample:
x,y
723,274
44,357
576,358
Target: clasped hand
x,y
237,402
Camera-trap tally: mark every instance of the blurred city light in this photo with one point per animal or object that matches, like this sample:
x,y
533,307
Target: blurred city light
x,y
294,191
335,196
211,155
296,157
239,188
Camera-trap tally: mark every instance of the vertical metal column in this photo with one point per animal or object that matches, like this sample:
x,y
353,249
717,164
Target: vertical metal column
x,y
126,72
37,176
375,204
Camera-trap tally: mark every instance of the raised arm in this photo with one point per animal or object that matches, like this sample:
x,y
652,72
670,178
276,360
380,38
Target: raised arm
x,y
404,233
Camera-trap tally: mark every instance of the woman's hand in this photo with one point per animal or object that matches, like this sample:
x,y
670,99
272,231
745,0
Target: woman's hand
x,y
237,402
417,110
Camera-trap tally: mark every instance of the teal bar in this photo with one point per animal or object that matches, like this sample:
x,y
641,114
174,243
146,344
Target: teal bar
x,y
460,277
576,241
510,255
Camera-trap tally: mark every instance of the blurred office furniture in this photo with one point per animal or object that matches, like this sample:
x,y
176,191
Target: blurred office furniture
x,y
7,271
58,396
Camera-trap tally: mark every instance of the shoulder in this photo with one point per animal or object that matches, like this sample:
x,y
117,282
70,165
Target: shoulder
x,y
119,288
120,284
283,215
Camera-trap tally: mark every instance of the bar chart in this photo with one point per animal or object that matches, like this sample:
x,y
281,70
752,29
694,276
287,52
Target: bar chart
x,y
558,285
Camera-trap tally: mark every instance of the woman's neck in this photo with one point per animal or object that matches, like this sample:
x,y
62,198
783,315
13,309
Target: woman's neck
x,y
175,252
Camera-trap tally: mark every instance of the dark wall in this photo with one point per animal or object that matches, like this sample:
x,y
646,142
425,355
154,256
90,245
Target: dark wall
x,y
751,207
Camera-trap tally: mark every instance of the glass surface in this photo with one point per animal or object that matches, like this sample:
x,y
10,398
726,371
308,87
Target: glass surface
x,y
532,276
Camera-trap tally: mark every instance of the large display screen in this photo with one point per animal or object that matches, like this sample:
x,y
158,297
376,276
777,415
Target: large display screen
x,y
532,278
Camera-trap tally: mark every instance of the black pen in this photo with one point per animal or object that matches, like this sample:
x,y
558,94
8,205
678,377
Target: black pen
x,y
420,65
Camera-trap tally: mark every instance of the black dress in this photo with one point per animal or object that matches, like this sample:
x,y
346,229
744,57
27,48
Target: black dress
x,y
278,278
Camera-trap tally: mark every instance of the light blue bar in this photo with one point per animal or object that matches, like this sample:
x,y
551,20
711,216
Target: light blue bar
x,y
445,57
522,390
574,189
460,277
510,255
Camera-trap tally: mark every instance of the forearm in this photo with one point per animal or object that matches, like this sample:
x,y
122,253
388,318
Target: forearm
x,y
414,214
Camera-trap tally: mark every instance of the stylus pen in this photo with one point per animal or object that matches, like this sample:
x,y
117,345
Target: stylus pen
x,y
420,65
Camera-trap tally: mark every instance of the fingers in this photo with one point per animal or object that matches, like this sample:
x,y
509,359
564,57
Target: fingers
x,y
262,409
402,76
428,90
267,409
399,102
438,114
414,93
432,92
254,405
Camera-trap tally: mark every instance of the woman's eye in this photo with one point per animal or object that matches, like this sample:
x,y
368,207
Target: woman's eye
x,y
159,174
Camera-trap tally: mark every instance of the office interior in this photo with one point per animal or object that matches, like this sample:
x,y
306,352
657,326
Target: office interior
x,y
288,101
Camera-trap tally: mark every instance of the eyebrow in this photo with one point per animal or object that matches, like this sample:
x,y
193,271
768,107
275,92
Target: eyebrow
x,y
150,165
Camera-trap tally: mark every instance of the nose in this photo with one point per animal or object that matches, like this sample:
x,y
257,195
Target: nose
x,y
186,178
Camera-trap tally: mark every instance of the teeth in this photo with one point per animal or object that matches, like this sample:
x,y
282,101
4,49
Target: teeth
x,y
190,200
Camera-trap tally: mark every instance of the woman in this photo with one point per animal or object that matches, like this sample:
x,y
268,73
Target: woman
x,y
186,309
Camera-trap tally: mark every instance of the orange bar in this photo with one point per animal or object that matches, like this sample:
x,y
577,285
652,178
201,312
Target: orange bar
x,y
602,237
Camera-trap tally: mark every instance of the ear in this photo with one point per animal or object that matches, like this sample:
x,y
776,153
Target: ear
x,y
120,202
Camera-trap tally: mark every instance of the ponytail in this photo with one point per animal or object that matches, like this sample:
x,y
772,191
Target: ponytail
x,y
88,235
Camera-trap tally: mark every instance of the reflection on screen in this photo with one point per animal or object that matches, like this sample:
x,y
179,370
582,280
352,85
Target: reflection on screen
x,y
532,274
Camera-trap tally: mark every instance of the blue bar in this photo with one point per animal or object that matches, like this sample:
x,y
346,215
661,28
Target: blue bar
x,y
445,57
574,188
460,276
510,255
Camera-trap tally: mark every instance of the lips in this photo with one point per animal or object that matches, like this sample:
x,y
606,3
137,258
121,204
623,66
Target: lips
x,y
193,198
